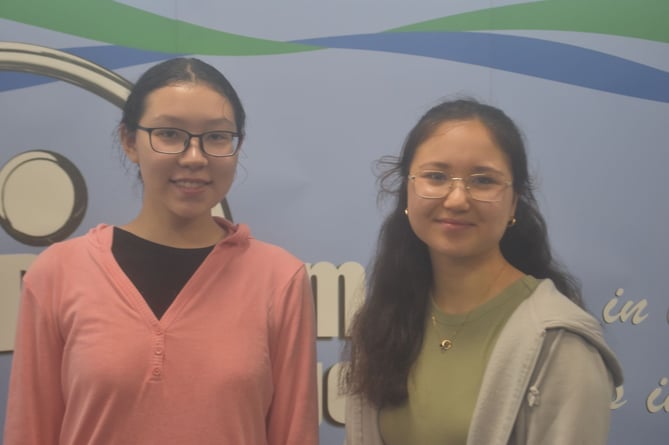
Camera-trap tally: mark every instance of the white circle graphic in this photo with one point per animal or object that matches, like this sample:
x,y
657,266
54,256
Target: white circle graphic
x,y
43,197
41,210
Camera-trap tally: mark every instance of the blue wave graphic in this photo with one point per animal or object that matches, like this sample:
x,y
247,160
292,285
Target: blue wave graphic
x,y
544,59
533,57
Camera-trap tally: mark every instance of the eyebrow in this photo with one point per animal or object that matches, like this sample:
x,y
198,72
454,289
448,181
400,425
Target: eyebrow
x,y
442,166
177,121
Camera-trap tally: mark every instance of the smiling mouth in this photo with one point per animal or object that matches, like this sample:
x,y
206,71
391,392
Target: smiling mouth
x,y
190,184
454,223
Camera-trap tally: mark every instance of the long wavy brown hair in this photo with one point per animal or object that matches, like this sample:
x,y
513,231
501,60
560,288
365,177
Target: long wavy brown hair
x,y
387,331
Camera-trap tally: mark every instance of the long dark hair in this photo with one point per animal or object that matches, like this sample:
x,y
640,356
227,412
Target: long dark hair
x,y
387,332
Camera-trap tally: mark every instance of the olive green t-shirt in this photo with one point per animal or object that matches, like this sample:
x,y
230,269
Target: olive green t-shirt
x,y
444,385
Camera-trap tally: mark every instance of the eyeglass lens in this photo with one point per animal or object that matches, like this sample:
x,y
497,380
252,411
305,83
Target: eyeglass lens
x,y
480,186
174,140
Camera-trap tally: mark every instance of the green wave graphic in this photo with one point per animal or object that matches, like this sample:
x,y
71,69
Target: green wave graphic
x,y
644,19
118,24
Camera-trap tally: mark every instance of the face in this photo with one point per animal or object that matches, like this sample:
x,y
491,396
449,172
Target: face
x,y
457,226
189,184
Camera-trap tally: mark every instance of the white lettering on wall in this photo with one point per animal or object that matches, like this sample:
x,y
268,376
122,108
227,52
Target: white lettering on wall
x,y
336,402
654,404
319,380
12,268
333,401
338,292
630,309
619,401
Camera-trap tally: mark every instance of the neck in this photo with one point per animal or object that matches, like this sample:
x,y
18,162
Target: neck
x,y
201,232
460,287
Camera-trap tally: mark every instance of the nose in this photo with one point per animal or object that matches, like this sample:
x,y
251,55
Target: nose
x,y
193,154
457,194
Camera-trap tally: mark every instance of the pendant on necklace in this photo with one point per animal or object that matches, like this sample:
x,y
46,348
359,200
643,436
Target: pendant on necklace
x,y
445,344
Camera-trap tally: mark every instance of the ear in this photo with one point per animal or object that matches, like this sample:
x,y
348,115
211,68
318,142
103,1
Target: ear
x,y
129,143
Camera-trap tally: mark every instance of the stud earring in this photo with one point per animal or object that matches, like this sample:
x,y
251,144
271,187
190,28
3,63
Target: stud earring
x,y
406,212
512,222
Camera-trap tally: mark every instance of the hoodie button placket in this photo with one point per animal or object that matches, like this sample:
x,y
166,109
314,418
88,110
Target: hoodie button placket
x,y
158,355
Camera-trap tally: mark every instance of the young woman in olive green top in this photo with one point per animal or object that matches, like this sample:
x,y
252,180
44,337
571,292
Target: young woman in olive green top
x,y
469,329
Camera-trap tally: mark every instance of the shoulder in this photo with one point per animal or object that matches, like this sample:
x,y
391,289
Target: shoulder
x,y
261,253
272,259
550,311
273,252
548,308
62,253
277,265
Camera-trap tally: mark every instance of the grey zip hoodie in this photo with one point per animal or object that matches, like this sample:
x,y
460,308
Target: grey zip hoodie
x,y
550,380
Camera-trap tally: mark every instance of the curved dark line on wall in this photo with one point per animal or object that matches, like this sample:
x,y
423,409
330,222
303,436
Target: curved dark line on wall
x,y
106,58
79,205
61,65
87,74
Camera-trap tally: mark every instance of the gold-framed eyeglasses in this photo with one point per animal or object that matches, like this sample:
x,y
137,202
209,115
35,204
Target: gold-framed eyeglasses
x,y
168,140
435,184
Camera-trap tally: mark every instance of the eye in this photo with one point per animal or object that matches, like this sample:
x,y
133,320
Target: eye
x,y
219,137
168,133
434,177
485,180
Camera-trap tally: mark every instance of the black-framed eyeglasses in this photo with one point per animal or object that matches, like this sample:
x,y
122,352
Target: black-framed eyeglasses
x,y
169,140
485,187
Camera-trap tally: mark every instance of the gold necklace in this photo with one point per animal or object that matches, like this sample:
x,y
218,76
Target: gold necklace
x,y
446,343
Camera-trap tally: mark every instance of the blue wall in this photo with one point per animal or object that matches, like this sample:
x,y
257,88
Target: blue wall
x,y
330,87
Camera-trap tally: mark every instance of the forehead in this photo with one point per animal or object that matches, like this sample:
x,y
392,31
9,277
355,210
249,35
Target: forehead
x,y
466,144
188,102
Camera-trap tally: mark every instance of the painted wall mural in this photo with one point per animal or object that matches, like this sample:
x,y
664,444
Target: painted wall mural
x,y
330,87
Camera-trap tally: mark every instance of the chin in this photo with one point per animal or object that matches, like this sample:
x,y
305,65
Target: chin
x,y
457,252
192,213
